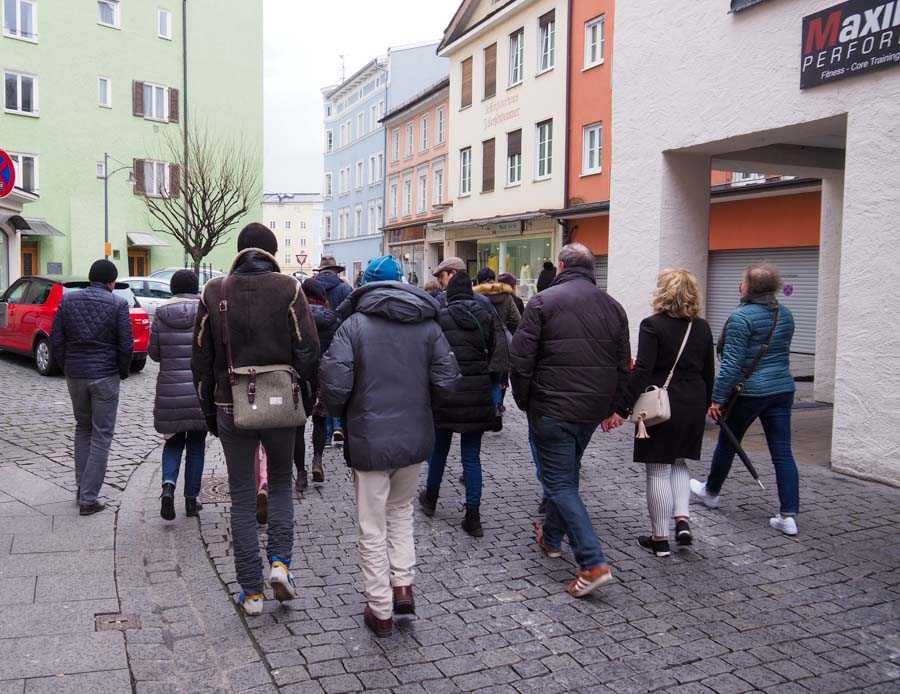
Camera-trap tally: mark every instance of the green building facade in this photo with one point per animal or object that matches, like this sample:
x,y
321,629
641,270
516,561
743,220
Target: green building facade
x,y
87,77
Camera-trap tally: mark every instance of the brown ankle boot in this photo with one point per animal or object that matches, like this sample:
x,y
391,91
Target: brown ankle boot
x,y
404,603
382,628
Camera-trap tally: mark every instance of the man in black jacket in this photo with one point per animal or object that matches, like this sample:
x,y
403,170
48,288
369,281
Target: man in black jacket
x,y
569,370
92,343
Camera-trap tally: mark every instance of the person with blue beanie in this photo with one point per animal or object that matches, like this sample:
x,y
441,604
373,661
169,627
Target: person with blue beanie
x,y
385,268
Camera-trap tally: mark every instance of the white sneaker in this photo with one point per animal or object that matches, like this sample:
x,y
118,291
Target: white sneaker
x,y
698,488
787,525
251,604
282,582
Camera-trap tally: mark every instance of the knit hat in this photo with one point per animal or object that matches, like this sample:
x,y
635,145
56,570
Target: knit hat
x,y
103,271
485,274
184,282
255,235
314,291
383,269
508,278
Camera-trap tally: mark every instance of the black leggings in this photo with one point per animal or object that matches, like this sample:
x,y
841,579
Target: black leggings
x,y
318,441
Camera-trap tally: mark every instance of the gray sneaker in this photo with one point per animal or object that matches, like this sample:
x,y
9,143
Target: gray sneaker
x,y
698,488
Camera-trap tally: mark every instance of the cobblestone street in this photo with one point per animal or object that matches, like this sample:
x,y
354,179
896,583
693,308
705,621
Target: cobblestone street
x,y
746,609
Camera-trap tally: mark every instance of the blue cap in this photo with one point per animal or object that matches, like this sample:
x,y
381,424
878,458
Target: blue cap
x,y
383,269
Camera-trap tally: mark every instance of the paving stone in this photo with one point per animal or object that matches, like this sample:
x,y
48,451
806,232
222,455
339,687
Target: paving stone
x,y
106,682
40,656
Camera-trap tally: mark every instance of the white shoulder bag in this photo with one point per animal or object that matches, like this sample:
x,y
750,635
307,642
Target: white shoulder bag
x,y
653,406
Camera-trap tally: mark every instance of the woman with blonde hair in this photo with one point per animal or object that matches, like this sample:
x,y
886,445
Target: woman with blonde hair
x,y
674,345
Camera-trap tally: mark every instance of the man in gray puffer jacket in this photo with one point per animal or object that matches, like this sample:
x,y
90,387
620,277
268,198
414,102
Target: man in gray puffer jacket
x,y
386,362
176,411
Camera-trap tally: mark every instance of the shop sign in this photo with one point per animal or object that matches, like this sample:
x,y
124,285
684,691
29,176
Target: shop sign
x,y
850,39
506,228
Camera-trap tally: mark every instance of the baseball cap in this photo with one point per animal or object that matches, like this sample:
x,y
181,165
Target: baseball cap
x,y
455,264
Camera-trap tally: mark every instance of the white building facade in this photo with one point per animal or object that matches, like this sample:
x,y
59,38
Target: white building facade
x,y
694,102
296,219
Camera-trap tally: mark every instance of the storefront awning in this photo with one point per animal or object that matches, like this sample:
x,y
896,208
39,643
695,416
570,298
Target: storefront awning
x,y
145,239
490,221
29,227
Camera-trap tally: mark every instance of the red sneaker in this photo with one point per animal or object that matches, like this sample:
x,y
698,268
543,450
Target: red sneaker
x,y
588,581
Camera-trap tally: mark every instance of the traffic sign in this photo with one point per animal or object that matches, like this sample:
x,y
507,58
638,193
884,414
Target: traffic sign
x,y
7,174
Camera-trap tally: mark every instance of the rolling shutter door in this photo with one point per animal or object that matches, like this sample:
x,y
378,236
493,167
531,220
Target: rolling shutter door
x,y
799,272
601,270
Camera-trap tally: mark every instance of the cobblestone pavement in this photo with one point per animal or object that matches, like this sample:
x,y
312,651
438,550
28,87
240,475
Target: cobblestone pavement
x,y
745,610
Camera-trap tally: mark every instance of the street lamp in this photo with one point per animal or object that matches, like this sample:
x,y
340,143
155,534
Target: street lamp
x,y
106,176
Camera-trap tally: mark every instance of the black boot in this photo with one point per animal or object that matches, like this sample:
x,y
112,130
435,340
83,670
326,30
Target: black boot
x,y
167,502
192,506
472,522
428,501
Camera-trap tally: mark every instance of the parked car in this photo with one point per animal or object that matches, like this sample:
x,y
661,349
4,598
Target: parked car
x,y
151,292
27,310
166,274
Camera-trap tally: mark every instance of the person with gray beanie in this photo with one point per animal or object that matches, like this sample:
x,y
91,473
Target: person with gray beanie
x,y
176,410
91,341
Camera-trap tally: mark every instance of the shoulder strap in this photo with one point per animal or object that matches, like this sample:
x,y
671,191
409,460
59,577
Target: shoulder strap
x,y
226,333
480,331
687,334
764,348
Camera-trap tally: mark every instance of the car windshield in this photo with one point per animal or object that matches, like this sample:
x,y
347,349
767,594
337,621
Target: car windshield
x,y
122,290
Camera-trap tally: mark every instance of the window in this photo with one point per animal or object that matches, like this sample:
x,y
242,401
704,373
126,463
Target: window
x,y
327,219
410,139
423,192
379,166
393,201
302,241
488,148
423,143
407,196
373,117
156,102
360,125
379,210
287,225
287,239
360,174
547,46
343,135
372,163
592,144
465,171
381,109
21,93
104,92
594,39
395,145
357,221
329,141
348,129
26,171
441,126
437,195
287,258
465,97
514,158
156,179
164,24
516,57
490,71
20,19
342,181
329,190
108,13
544,149
272,225
373,227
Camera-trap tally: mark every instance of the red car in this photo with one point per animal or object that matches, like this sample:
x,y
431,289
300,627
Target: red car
x,y
27,310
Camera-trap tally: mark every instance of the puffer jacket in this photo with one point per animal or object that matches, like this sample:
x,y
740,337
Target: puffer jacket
x,y
335,288
570,358
746,330
176,407
467,325
269,323
501,296
387,361
91,335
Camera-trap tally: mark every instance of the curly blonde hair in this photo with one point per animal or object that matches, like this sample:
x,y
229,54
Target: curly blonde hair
x,y
677,294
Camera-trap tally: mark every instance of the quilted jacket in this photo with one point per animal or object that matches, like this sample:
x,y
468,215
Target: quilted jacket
x,y
501,296
176,407
91,335
745,333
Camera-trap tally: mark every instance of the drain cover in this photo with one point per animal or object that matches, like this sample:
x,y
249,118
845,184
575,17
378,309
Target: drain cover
x,y
116,622
215,491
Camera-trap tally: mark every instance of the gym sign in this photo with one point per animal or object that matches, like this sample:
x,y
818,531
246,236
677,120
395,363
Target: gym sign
x,y
849,39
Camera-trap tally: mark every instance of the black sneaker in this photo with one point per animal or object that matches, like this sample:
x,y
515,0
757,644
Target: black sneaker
x,y
90,509
659,547
167,502
683,535
192,507
428,502
542,507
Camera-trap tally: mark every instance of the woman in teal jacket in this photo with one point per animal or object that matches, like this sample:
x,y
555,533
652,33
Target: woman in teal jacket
x,y
767,395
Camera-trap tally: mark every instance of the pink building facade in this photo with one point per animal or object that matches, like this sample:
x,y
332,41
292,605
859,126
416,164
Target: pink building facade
x,y
416,193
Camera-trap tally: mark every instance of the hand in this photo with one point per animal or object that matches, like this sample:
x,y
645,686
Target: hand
x,y
614,421
715,412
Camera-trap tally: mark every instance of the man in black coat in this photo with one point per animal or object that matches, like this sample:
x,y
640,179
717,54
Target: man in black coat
x,y
569,372
92,343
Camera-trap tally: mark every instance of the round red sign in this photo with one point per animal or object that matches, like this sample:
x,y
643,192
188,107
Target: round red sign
x,y
7,174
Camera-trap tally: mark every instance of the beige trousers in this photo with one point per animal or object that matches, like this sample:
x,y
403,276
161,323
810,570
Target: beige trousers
x,y
387,552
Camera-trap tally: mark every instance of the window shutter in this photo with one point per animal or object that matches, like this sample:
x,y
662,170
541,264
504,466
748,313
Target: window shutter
x,y
173,105
138,171
487,165
137,98
490,71
466,97
514,143
547,19
174,181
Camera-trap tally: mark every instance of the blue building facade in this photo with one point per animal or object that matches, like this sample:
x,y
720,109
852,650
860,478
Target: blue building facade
x,y
355,150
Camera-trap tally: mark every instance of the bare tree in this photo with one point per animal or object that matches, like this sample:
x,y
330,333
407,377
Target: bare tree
x,y
213,182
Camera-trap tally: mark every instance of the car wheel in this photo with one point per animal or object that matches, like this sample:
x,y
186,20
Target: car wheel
x,y
138,362
43,358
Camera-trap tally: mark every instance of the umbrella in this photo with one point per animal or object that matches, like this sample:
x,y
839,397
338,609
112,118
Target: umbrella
x,y
729,434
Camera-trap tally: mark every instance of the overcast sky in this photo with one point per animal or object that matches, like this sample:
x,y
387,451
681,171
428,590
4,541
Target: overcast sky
x,y
304,40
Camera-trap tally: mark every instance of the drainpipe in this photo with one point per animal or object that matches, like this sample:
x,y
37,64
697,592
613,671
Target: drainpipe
x,y
568,109
184,91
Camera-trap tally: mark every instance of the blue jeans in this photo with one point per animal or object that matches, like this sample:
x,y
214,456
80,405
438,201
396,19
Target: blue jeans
x,y
558,447
470,452
193,468
332,423
774,413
